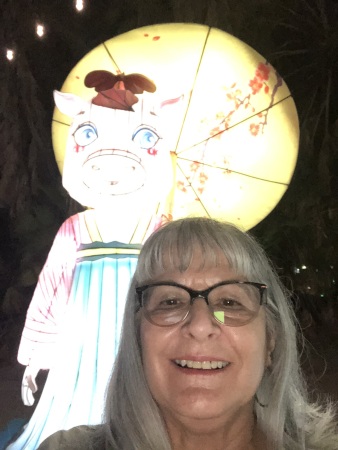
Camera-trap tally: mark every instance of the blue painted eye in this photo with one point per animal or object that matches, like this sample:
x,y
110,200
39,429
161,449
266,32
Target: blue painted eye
x,y
145,138
85,134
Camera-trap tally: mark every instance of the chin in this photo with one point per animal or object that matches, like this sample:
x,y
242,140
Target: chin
x,y
200,407
210,405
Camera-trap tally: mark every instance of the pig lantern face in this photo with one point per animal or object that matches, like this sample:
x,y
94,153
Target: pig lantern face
x,y
114,156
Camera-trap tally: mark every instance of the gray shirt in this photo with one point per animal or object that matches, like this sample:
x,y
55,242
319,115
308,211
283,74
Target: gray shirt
x,y
77,438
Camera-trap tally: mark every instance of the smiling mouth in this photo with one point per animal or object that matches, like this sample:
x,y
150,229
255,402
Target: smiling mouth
x,y
203,365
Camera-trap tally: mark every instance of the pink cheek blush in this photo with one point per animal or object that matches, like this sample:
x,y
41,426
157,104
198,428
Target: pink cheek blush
x,y
78,148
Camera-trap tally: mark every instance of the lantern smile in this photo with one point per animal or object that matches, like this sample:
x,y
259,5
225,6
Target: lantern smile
x,y
113,172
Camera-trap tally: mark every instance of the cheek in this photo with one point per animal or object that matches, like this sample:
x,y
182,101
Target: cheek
x,y
78,148
155,342
150,352
251,347
152,151
149,343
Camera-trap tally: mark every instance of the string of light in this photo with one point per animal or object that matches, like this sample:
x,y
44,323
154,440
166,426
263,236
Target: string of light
x,y
299,270
40,29
79,5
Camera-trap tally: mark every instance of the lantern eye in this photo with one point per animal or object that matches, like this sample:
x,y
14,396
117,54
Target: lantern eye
x,y
85,134
145,137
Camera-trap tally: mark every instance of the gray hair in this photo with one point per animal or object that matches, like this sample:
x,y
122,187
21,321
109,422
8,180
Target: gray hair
x,y
290,422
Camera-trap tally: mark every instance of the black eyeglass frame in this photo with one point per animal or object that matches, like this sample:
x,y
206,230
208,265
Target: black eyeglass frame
x,y
195,294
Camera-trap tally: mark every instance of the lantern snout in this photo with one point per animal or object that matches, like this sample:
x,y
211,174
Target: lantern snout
x,y
113,172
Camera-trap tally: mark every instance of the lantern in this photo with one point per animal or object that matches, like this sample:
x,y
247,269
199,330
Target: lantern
x,y
232,137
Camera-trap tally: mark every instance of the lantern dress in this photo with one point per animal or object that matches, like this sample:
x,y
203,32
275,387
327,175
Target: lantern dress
x,y
73,325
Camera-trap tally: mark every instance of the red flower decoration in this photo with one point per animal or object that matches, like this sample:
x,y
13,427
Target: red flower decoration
x,y
194,166
256,85
254,129
181,187
262,71
203,178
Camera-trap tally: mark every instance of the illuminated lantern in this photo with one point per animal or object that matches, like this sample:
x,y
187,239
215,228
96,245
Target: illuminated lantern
x,y
234,140
159,123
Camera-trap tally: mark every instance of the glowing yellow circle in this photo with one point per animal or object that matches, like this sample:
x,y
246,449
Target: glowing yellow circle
x,y
235,139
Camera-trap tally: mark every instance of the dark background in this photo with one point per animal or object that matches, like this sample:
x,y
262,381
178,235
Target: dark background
x,y
298,37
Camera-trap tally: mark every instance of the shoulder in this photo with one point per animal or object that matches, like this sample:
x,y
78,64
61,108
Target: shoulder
x,y
81,437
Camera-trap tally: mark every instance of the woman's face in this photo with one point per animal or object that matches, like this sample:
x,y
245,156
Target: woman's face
x,y
184,393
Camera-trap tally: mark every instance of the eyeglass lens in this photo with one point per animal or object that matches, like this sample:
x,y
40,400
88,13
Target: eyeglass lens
x,y
231,304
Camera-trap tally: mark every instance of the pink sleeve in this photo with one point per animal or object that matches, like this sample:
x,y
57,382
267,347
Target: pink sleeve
x,y
50,298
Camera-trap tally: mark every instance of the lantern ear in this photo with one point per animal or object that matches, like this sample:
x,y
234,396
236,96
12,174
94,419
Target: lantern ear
x,y
69,104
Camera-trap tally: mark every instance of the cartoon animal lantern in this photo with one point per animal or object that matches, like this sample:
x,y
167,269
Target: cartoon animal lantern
x,y
218,138
115,156
115,164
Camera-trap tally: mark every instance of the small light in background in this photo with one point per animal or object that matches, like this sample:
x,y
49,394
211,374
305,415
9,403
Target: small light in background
x,y
79,5
296,270
304,267
40,30
10,54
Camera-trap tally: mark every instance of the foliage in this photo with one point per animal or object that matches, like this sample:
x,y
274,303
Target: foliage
x,y
303,230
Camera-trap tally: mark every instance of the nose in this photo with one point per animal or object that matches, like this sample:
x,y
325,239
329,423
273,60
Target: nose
x,y
200,323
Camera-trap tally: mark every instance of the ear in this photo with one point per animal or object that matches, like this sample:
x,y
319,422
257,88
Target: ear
x,y
169,107
271,342
69,104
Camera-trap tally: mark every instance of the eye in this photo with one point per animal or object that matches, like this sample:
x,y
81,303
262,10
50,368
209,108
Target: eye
x,y
231,304
169,302
85,134
145,138
165,302
228,302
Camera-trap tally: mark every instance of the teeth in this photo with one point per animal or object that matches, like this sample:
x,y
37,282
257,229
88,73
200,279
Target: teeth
x,y
204,365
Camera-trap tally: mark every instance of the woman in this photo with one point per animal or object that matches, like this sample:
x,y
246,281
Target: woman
x,y
208,353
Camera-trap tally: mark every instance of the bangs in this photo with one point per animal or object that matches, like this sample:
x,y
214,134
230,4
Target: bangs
x,y
178,243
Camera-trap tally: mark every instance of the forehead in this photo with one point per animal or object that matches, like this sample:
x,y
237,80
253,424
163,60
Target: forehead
x,y
197,259
169,263
199,274
107,117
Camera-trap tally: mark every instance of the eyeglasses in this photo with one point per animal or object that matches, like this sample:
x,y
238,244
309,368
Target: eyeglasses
x,y
232,303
